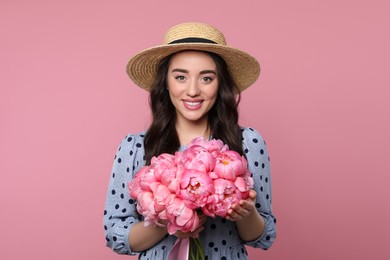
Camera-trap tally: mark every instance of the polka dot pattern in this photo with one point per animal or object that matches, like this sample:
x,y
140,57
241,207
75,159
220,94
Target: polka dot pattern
x,y
220,238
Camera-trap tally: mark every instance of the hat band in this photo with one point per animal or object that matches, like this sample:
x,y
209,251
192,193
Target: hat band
x,y
192,40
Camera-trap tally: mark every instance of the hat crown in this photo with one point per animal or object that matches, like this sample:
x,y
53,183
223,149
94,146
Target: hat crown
x,y
142,68
199,31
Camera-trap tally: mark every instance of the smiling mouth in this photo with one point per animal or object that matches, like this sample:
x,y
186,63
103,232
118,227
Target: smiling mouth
x,y
192,105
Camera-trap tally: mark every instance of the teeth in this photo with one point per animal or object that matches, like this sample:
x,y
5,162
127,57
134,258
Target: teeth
x,y
192,103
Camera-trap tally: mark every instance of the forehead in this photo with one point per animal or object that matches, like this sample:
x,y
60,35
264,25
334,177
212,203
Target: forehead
x,y
192,59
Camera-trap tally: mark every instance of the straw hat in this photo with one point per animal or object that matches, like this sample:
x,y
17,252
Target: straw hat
x,y
193,36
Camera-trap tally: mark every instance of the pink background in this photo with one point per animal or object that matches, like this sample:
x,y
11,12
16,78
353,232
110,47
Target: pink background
x,y
322,104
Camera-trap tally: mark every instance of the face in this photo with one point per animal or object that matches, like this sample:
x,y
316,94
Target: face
x,y
193,86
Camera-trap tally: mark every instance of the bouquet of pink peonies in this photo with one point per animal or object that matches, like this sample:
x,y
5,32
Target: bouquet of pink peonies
x,y
206,176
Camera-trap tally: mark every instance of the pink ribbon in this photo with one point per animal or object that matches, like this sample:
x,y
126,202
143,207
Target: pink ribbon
x,y
180,249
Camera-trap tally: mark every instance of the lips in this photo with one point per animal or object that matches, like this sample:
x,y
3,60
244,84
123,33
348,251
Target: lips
x,y
192,104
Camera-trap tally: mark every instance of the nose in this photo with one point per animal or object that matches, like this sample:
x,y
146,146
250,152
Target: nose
x,y
193,88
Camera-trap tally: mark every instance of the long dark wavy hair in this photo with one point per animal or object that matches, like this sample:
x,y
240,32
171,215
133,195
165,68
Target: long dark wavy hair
x,y
162,137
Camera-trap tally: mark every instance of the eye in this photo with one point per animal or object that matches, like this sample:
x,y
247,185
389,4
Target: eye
x,y
180,78
207,79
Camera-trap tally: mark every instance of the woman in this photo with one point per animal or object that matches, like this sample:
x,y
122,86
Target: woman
x,y
195,81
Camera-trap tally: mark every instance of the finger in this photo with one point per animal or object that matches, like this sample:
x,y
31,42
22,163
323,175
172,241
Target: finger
x,y
195,235
252,194
234,214
200,229
244,209
235,210
247,205
196,232
235,217
242,213
204,217
201,214
201,223
180,234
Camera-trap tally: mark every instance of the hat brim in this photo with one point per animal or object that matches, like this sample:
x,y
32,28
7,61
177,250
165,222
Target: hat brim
x,y
243,68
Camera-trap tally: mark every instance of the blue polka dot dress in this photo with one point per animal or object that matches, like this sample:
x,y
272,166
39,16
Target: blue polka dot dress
x,y
220,237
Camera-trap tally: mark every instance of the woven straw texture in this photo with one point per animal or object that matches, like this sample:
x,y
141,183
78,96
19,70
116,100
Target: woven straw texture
x,y
244,68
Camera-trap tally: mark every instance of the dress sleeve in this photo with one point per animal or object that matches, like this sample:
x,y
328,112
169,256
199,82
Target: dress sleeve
x,y
120,212
259,165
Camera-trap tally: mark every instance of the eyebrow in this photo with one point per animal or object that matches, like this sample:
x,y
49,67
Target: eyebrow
x,y
200,73
208,71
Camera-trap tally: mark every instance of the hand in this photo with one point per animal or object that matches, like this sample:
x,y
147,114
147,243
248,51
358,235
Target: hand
x,y
243,209
195,233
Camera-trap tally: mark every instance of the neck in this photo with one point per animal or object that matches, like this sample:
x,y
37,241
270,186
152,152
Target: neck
x,y
187,132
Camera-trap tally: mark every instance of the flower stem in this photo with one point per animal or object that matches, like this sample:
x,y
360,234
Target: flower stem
x,y
196,249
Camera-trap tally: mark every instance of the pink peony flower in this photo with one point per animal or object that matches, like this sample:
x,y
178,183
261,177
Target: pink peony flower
x,y
198,158
164,168
181,217
147,177
174,185
244,183
207,176
195,188
145,207
134,185
161,196
212,146
220,202
230,164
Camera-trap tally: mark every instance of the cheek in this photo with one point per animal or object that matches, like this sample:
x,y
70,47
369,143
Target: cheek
x,y
174,95
173,88
172,98
175,98
213,93
213,101
171,91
